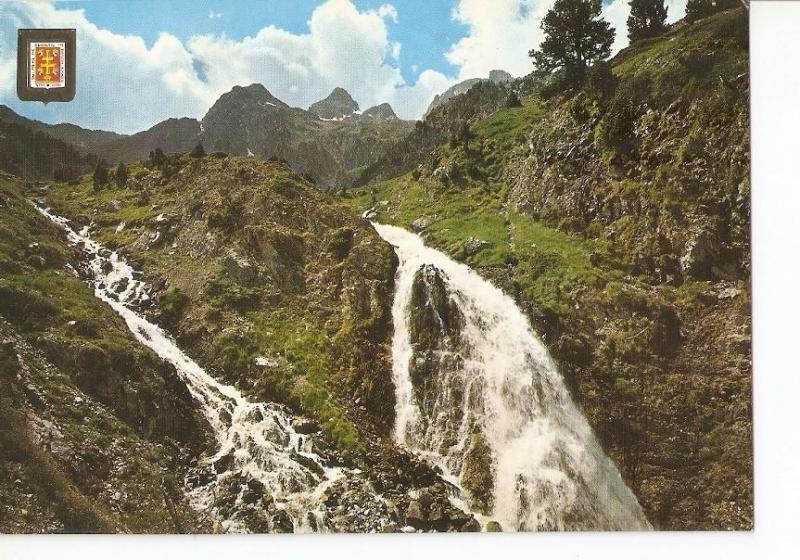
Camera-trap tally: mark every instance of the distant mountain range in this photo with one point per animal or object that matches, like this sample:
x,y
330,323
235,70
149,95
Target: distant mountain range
x,y
331,142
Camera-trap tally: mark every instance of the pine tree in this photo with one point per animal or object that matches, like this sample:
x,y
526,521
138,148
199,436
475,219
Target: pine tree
x,y
647,19
513,100
121,175
697,9
575,38
157,157
100,175
198,151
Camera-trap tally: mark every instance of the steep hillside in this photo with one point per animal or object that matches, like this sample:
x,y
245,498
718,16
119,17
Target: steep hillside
x,y
617,218
171,135
86,141
94,431
252,261
32,154
447,121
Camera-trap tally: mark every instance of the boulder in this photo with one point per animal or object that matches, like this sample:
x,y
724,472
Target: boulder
x,y
282,523
699,256
473,246
421,224
477,476
239,268
305,426
224,463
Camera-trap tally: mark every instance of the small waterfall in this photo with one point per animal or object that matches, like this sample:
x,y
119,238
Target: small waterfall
x,y
497,382
258,449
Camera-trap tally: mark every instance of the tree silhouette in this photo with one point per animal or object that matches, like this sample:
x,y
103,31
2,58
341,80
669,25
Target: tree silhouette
x,y
121,175
157,157
575,38
647,19
100,175
198,151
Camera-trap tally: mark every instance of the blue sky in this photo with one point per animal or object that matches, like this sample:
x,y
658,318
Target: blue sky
x,y
143,61
424,28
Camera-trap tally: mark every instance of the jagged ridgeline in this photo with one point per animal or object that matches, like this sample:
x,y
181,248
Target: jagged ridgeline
x,y
534,315
331,143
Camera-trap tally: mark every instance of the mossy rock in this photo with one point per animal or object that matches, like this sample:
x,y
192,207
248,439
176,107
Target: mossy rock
x,y
477,476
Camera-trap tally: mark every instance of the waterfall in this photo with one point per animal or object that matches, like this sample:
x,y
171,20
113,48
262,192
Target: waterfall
x,y
493,378
258,448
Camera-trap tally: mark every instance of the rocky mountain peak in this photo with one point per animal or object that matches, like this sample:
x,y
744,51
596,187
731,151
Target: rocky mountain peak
x,y
500,76
246,97
383,111
337,105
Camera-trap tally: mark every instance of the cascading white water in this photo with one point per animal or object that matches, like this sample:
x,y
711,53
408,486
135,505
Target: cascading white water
x,y
256,440
549,471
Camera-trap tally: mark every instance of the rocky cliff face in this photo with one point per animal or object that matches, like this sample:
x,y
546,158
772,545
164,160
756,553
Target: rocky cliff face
x,y
658,167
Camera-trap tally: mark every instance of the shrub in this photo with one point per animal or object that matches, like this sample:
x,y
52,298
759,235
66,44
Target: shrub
x,y
172,303
198,151
615,130
602,81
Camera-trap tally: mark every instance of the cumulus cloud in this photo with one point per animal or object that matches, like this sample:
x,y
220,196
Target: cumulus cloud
x,y
500,35
125,86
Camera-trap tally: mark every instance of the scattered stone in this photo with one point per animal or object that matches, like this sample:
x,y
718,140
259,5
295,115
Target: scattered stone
x,y
282,523
473,246
304,425
421,224
224,463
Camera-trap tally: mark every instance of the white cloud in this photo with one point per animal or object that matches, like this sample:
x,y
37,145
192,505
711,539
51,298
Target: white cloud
x,y
617,14
214,15
500,35
125,86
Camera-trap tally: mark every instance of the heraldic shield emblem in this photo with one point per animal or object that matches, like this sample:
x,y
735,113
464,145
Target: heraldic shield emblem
x,y
46,65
